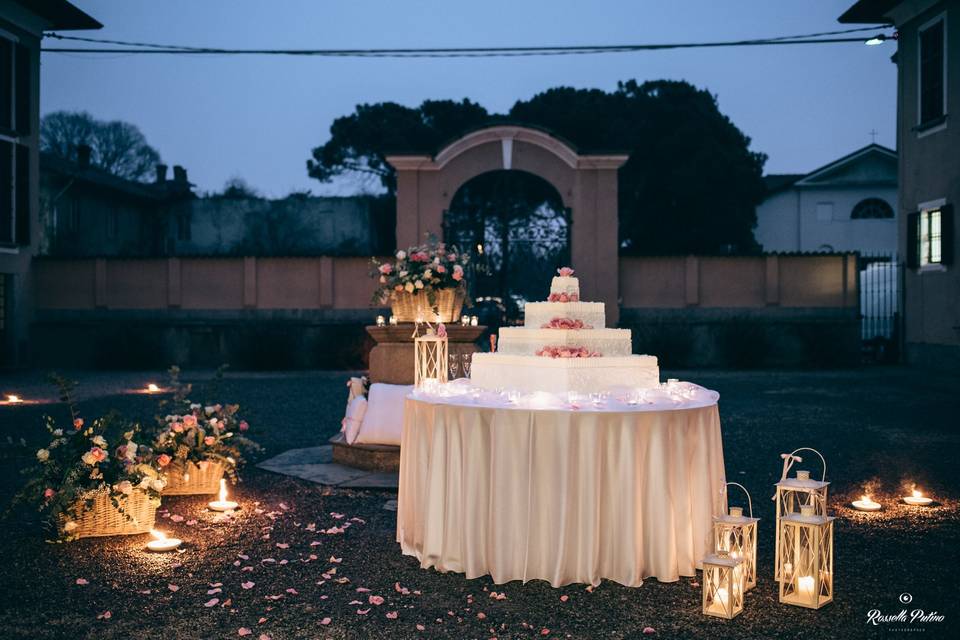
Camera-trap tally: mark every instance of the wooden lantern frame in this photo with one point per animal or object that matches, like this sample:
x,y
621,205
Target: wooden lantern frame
x,y
795,493
806,558
723,585
430,353
737,535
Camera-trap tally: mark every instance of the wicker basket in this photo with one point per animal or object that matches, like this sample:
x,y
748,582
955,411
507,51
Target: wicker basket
x,y
189,479
104,519
407,307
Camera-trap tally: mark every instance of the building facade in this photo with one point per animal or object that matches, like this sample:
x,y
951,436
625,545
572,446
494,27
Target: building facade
x,y
22,24
928,140
846,205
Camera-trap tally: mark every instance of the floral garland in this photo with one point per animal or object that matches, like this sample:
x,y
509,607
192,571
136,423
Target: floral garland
x,y
85,459
567,352
565,323
201,434
427,268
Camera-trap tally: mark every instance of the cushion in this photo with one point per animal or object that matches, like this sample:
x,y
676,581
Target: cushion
x,y
383,420
350,426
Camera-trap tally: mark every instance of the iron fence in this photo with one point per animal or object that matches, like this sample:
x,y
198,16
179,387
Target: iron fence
x,y
881,306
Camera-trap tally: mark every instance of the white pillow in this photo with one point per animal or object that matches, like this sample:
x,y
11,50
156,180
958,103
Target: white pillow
x,y
350,426
383,420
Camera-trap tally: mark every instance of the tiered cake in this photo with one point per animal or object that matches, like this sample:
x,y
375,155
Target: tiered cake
x,y
564,346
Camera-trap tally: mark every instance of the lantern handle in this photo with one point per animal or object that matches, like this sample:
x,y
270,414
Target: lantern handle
x,y
744,489
822,459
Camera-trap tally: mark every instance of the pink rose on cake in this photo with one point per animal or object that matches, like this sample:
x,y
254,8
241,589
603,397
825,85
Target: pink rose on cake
x,y
565,323
567,352
565,272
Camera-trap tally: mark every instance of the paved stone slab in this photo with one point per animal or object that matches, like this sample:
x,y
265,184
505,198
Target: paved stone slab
x,y
315,464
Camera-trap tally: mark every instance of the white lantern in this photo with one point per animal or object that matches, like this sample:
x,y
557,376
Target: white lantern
x,y
796,492
722,585
737,535
806,558
430,351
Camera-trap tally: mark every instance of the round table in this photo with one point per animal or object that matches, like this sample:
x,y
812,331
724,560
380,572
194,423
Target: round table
x,y
566,494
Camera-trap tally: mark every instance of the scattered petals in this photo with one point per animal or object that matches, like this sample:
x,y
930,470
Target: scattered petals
x,y
325,621
649,631
481,615
283,545
292,591
362,612
392,615
106,615
173,587
212,602
335,560
243,631
210,592
377,600
401,590
247,585
82,581
564,598
362,590
420,627
544,631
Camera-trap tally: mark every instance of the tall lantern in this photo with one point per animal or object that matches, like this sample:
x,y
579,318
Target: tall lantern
x,y
793,493
737,535
430,351
722,585
806,558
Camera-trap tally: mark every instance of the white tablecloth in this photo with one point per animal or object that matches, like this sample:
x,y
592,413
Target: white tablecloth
x,y
559,495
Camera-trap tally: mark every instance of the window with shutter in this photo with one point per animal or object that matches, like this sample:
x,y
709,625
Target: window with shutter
x,y
913,240
932,80
22,88
947,238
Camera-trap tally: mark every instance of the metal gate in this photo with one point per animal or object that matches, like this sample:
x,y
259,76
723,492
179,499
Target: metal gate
x,y
881,307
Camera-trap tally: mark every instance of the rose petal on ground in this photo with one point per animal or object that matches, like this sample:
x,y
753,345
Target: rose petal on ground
x,y
293,591
564,598
544,631
362,612
247,584
283,545
481,615
265,636
82,581
420,627
377,600
243,631
648,631
326,621
210,592
212,602
243,556
173,587
261,620
392,615
336,560
106,615
362,590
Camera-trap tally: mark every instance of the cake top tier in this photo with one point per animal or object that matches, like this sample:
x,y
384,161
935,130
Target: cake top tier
x,y
564,287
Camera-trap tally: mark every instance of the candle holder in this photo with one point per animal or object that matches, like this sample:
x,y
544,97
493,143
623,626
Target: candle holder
x,y
222,504
866,503
430,354
465,320
917,499
380,321
162,543
12,398
793,493
474,321
722,585
737,535
393,321
806,558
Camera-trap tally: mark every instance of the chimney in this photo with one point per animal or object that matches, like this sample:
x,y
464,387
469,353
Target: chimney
x,y
83,156
161,173
179,174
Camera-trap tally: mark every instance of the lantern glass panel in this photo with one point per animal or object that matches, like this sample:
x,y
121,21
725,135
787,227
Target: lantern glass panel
x,y
722,586
806,560
431,359
738,537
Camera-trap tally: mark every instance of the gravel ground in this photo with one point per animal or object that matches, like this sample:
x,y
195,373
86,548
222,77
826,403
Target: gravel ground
x,y
883,426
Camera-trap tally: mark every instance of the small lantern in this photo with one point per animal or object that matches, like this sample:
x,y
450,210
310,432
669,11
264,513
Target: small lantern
x,y
806,558
430,351
722,585
794,493
381,321
737,535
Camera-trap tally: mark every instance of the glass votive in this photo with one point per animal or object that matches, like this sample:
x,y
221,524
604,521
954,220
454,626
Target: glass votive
x,y
465,320
474,321
380,321
393,321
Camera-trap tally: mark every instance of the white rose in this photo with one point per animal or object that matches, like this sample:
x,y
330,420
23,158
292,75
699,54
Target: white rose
x,y
403,274
194,406
130,451
145,482
99,441
70,526
209,410
125,487
427,273
409,287
43,455
58,432
383,279
418,284
214,423
436,260
401,255
158,484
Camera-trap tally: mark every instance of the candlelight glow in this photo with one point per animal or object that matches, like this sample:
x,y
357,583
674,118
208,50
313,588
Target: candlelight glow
x,y
917,499
866,503
14,399
152,388
222,504
161,542
805,587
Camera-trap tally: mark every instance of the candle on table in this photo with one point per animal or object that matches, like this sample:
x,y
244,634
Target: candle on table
x,y
161,542
866,503
465,320
222,504
393,321
474,321
917,499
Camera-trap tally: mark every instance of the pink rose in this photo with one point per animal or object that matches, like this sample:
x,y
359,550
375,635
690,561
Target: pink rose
x,y
163,459
574,297
565,272
189,421
243,425
78,424
99,454
563,297
177,426
386,269
441,331
49,493
441,269
209,440
457,275
399,287
452,257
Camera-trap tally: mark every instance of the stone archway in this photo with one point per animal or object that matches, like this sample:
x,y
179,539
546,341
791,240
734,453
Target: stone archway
x,y
587,183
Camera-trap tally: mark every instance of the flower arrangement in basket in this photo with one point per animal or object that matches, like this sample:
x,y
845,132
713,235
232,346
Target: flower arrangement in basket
x,y
198,444
93,479
422,281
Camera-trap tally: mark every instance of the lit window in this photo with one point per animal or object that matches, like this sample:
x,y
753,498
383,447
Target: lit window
x,y
931,239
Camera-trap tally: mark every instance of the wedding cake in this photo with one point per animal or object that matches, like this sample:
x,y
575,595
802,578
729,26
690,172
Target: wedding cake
x,y
564,346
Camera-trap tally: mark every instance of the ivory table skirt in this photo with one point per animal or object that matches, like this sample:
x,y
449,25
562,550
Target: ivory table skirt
x,y
563,496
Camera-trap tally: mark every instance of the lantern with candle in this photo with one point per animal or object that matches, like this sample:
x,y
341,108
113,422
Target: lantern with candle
x,y
793,493
806,558
737,535
430,353
722,585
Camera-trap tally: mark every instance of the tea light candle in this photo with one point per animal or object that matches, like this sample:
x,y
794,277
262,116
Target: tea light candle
x,y
805,588
720,603
161,542
380,321
152,388
474,321
222,504
917,499
866,503
14,399
393,321
465,320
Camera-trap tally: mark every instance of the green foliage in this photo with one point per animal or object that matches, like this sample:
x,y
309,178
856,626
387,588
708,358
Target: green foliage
x,y
691,184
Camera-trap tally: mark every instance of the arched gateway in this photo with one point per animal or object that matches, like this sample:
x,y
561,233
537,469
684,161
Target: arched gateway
x,y
587,183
